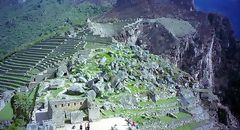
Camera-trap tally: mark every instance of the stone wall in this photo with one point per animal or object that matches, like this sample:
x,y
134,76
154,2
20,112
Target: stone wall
x,y
69,105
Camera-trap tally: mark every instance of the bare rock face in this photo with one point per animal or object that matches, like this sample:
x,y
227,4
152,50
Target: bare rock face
x,y
208,49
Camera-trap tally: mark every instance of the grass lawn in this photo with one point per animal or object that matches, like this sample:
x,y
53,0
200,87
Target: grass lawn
x,y
56,92
189,126
6,113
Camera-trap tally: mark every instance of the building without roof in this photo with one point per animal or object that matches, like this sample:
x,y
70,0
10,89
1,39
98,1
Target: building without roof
x,y
68,110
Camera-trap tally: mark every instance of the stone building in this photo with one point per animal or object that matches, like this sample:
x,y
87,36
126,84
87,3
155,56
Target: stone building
x,y
68,111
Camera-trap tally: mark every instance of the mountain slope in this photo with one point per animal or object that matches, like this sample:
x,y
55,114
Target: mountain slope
x,y
30,21
209,53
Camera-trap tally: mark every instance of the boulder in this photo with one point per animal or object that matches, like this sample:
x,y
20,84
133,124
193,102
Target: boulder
x,y
97,85
76,89
81,79
172,115
99,88
72,79
116,80
152,93
128,102
108,106
91,95
92,82
56,83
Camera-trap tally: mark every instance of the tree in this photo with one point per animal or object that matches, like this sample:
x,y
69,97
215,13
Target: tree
x,y
22,106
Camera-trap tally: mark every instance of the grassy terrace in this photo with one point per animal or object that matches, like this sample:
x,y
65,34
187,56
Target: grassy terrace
x,y
20,78
17,74
54,93
20,61
11,84
20,64
44,46
138,114
6,87
31,55
13,81
16,66
189,126
6,113
36,53
28,57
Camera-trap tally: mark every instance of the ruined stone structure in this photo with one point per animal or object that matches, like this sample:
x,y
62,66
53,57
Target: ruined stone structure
x,y
68,110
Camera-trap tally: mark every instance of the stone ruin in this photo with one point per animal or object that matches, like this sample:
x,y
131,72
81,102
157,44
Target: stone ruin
x,y
68,110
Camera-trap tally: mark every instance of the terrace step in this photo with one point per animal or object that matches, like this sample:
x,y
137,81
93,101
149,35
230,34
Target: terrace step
x,y
22,62
11,85
31,55
13,81
10,67
28,57
58,37
23,79
2,68
44,46
17,74
39,49
27,60
35,53
6,87
19,71
41,68
54,40
16,66
2,71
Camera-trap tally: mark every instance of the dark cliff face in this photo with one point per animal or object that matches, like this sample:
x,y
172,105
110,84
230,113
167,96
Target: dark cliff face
x,y
210,54
227,76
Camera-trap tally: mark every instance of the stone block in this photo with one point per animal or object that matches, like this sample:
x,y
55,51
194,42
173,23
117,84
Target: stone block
x,y
77,117
32,126
58,117
94,113
49,125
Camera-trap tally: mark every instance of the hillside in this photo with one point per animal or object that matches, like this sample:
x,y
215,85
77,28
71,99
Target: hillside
x,y
31,21
152,64
210,53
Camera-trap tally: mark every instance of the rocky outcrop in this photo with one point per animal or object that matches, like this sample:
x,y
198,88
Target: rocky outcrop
x,y
227,77
208,52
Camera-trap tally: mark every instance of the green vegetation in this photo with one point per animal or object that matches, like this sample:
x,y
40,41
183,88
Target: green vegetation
x,y
23,104
131,87
189,126
7,112
34,21
55,92
159,102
